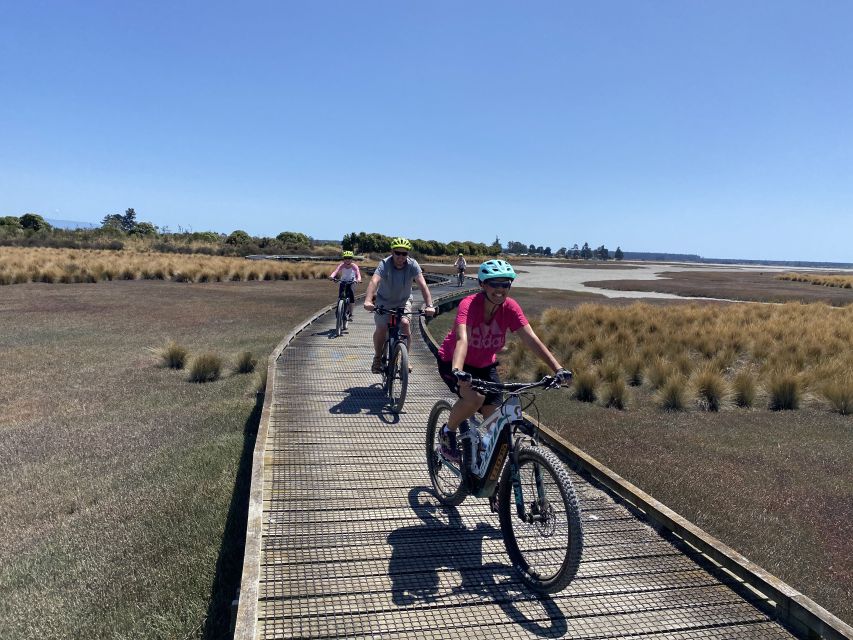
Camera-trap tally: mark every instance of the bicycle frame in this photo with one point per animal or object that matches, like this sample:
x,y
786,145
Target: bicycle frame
x,y
481,470
342,291
393,337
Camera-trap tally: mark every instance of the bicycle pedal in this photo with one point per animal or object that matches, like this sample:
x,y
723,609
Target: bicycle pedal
x,y
493,503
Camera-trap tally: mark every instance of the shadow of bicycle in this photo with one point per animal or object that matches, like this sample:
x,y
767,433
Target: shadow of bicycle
x,y
331,334
425,556
370,400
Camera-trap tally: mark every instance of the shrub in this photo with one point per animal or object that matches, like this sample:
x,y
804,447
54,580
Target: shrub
x,y
615,395
659,372
839,393
174,355
634,371
206,368
585,382
673,394
246,362
784,390
610,371
710,389
743,387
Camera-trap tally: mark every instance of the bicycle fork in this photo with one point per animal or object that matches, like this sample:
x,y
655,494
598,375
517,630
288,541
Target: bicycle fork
x,y
539,507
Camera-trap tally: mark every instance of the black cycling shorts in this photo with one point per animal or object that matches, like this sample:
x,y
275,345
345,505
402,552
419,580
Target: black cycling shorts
x,y
445,369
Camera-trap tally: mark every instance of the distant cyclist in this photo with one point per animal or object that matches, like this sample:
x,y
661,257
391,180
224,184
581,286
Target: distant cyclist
x,y
348,273
391,287
460,265
471,346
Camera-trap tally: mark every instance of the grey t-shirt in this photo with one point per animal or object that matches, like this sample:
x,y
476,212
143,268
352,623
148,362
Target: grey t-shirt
x,y
395,285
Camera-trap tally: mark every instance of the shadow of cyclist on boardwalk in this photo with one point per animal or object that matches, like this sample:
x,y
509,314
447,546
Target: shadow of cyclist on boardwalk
x,y
426,558
369,400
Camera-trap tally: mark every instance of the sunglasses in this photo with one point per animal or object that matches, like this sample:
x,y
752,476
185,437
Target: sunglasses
x,y
497,285
401,253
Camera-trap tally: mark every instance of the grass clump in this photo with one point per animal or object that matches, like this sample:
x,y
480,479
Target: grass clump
x,y
634,371
672,396
784,390
615,395
585,382
743,389
174,355
206,368
659,372
710,389
839,393
246,362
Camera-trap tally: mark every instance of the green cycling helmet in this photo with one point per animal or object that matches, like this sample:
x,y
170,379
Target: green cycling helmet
x,y
495,269
347,254
401,243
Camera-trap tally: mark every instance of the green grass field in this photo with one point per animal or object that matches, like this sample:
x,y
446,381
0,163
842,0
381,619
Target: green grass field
x,y
125,484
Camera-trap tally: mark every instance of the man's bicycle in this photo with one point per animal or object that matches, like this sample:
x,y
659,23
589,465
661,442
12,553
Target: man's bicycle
x,y
341,314
525,483
395,357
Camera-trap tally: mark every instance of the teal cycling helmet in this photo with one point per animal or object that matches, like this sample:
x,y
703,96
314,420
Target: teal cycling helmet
x,y
495,269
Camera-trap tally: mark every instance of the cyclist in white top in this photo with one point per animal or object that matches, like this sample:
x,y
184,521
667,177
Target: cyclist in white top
x,y
348,273
460,265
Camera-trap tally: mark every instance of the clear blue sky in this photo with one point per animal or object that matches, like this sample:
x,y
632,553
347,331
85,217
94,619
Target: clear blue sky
x,y
722,128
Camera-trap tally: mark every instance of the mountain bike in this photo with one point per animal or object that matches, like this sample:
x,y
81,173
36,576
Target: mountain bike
x,y
395,357
503,461
461,275
341,315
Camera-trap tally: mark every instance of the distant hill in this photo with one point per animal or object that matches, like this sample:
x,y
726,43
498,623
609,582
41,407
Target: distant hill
x,y
70,224
689,257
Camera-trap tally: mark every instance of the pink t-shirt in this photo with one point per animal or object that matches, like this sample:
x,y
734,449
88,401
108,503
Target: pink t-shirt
x,y
484,340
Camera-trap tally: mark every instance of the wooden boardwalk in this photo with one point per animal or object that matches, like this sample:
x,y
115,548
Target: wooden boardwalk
x,y
353,543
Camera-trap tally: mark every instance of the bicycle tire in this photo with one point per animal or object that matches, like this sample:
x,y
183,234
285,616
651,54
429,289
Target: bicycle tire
x,y
448,486
545,554
398,377
339,318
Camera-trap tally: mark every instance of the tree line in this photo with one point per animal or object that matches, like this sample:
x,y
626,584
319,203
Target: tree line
x,y
33,229
575,253
378,243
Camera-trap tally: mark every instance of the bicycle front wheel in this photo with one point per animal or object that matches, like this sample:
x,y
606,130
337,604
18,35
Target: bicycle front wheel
x,y
544,547
445,476
339,318
398,377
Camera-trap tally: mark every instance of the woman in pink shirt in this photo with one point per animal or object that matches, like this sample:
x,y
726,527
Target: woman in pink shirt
x,y
471,346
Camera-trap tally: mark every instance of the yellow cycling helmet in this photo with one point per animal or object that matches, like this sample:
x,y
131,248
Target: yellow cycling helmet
x,y
347,254
401,243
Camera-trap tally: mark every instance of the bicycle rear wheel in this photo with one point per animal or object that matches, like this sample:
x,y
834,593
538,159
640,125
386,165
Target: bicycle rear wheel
x,y
339,318
546,548
445,476
398,376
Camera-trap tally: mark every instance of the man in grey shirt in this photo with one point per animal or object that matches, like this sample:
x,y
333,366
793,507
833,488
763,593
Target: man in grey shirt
x,y
391,287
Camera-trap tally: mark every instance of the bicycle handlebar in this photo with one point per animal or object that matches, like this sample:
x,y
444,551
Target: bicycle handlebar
x,y
515,388
382,311
341,280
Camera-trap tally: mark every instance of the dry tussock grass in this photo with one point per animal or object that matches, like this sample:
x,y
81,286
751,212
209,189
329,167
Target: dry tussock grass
x,y
37,264
780,355
844,282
